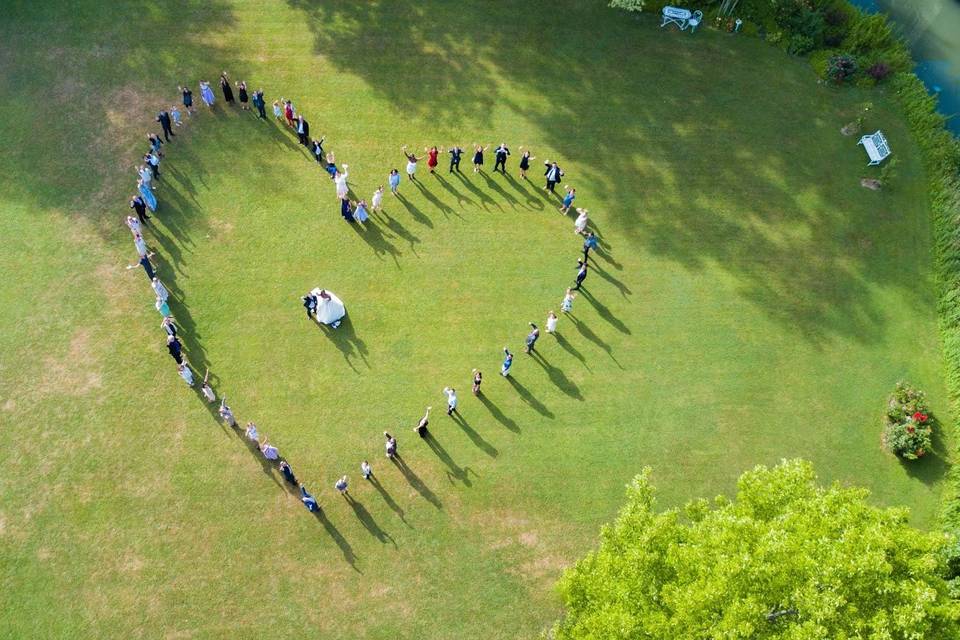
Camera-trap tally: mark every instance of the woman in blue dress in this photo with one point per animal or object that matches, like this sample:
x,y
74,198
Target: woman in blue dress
x,y
147,194
308,500
206,94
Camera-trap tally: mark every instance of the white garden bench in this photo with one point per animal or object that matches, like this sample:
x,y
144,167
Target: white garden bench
x,y
677,16
876,146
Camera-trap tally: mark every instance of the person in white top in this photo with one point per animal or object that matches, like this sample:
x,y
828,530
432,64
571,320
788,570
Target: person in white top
x,y
269,451
366,470
185,373
226,414
580,224
140,245
134,224
451,399
551,322
205,388
377,201
159,289
251,432
340,179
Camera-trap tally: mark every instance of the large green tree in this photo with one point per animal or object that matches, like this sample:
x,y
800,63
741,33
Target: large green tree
x,y
787,558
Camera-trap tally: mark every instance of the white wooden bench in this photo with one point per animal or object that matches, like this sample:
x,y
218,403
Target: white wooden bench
x,y
876,146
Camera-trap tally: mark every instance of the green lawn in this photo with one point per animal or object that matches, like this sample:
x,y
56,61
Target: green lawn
x,y
752,302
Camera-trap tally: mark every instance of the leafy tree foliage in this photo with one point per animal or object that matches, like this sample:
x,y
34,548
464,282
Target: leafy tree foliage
x,y
787,558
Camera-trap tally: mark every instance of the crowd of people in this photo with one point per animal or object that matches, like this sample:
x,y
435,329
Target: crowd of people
x,y
148,175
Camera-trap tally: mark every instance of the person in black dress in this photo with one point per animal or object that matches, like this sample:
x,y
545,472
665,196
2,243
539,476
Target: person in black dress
x,y
501,154
478,157
225,87
242,92
187,99
175,348
525,160
455,153
318,149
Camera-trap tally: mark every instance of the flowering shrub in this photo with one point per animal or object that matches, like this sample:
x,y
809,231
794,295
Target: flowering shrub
x,y
841,68
879,70
907,430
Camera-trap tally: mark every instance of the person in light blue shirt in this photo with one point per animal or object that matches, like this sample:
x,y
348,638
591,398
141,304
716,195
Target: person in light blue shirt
x,y
590,242
394,181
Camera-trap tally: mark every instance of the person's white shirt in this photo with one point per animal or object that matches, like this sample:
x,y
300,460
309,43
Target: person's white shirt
x,y
365,468
159,289
208,393
377,198
451,397
134,224
551,324
140,244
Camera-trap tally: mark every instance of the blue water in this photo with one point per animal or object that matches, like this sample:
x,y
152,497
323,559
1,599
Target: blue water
x,y
932,29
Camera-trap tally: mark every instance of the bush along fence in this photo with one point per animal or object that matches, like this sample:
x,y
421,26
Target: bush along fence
x,y
846,45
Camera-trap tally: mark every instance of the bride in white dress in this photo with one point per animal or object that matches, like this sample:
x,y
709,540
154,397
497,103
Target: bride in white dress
x,y
330,309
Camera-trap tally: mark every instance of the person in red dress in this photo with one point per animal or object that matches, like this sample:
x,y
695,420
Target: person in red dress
x,y
288,112
432,157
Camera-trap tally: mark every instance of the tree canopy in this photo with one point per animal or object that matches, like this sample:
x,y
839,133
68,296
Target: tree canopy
x,y
787,558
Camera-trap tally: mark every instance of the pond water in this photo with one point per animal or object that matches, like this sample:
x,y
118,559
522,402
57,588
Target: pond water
x,y
932,28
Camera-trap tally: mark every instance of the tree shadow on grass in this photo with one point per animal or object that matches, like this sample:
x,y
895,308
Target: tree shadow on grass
x,y
414,480
529,398
337,537
673,169
498,415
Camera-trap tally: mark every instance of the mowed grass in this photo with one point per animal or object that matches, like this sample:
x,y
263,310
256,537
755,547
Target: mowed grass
x,y
751,302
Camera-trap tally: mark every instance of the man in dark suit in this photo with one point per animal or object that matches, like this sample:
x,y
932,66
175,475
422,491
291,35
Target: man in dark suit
x,y
553,175
501,154
259,103
303,130
455,153
164,119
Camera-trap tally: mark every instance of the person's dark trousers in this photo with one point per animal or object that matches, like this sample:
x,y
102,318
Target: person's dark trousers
x,y
550,186
143,215
455,164
167,131
303,138
263,114
154,170
502,163
579,282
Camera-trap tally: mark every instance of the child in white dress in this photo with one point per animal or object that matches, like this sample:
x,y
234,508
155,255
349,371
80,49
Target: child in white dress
x,y
378,198
551,322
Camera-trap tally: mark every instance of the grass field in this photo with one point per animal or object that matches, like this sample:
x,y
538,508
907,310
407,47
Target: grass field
x,y
751,302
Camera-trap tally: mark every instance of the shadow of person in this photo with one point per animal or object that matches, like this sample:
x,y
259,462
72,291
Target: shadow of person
x,y
414,481
373,236
624,289
493,184
461,198
414,211
527,397
401,231
369,523
531,197
569,348
498,415
334,533
557,376
455,471
588,333
388,499
604,312
435,201
477,439
483,197
347,340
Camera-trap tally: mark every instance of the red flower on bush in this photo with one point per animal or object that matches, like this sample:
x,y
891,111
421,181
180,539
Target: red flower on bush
x,y
911,428
920,417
